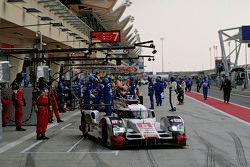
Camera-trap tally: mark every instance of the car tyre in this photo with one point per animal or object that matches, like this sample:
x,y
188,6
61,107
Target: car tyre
x,y
83,125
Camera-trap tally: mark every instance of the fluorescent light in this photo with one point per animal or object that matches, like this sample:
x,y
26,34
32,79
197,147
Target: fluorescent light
x,y
46,18
32,10
10,1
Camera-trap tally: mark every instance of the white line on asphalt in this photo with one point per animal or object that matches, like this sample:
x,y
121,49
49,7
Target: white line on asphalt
x,y
30,147
71,148
27,137
98,152
222,112
66,126
235,94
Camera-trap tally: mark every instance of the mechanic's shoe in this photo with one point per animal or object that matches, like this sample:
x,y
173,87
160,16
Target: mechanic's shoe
x,y
38,136
151,108
44,137
171,110
59,120
19,128
51,120
4,125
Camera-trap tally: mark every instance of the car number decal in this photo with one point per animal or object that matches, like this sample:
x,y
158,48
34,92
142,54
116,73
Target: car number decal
x,y
176,120
145,126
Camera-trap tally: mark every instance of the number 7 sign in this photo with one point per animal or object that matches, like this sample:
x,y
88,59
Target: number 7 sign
x,y
105,36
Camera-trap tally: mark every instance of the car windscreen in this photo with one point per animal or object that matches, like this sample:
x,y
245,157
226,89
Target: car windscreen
x,y
133,114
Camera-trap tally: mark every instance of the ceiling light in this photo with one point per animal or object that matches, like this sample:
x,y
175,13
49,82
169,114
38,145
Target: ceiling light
x,y
65,29
10,1
32,10
46,18
57,24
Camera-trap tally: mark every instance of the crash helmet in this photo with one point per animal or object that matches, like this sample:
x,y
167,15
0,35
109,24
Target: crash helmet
x,y
158,79
149,79
19,77
91,78
172,79
132,77
42,83
105,80
62,78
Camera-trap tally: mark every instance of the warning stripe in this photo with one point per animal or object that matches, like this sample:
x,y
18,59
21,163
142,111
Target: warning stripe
x,y
242,113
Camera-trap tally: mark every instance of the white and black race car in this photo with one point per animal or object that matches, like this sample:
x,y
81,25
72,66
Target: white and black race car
x,y
133,125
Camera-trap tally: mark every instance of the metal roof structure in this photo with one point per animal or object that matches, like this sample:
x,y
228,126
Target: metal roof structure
x,y
65,14
103,11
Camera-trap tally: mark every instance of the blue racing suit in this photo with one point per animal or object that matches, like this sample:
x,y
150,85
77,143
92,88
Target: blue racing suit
x,y
151,93
98,90
86,95
132,88
77,88
189,84
60,91
205,85
107,98
158,88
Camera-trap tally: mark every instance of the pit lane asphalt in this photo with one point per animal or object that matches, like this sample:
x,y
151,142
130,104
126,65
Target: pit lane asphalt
x,y
237,98
213,140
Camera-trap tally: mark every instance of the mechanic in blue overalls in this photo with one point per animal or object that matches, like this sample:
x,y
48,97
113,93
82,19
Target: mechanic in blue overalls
x,y
107,96
165,83
97,91
87,92
205,85
189,84
132,85
60,91
77,87
151,92
159,88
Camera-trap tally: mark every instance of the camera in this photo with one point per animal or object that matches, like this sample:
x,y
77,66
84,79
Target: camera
x,y
152,45
154,51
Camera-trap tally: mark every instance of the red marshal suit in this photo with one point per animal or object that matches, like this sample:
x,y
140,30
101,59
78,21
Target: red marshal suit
x,y
53,101
5,112
42,103
18,102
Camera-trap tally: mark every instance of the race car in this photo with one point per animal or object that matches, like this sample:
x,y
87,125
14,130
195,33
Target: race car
x,y
133,125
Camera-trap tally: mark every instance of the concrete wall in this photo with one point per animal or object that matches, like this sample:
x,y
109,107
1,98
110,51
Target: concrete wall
x,y
16,14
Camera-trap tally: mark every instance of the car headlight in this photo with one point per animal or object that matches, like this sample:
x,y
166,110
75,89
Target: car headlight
x,y
118,131
174,128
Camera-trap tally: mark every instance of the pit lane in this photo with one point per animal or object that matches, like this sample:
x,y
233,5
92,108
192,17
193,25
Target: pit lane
x,y
214,139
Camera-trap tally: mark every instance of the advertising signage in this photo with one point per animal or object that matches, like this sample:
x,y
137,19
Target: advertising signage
x,y
245,34
105,36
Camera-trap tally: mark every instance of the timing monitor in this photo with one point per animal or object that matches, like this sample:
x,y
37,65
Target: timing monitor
x,y
4,71
43,71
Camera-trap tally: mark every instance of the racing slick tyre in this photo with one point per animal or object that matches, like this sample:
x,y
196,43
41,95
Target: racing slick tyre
x,y
82,127
105,135
104,132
